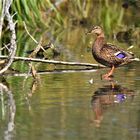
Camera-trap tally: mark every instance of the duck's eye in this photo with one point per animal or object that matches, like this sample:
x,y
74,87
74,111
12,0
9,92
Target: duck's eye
x,y
95,27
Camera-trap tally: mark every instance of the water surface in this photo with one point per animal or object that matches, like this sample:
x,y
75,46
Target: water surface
x,y
68,106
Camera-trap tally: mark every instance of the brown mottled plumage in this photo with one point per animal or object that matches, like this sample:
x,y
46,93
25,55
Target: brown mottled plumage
x,y
108,54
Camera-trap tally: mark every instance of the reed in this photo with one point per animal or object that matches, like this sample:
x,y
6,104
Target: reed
x,y
36,13
45,13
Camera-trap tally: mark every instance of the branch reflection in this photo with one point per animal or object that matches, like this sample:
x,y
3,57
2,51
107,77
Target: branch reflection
x,y
8,107
108,95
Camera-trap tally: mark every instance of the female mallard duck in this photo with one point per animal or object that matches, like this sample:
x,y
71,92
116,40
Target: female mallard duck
x,y
108,54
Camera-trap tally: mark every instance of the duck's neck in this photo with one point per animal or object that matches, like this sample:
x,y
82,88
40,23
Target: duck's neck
x,y
99,42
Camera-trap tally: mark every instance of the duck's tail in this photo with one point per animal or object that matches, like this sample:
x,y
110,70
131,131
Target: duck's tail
x,y
135,59
132,57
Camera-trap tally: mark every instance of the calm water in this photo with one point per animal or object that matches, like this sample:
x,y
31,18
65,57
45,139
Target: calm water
x,y
74,105
69,106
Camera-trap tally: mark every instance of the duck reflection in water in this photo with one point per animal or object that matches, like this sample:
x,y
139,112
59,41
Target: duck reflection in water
x,y
108,95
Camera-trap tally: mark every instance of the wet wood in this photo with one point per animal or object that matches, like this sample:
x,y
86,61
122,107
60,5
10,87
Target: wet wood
x,y
11,25
55,62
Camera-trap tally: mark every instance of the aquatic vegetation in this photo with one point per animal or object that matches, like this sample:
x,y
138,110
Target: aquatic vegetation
x,y
36,13
42,13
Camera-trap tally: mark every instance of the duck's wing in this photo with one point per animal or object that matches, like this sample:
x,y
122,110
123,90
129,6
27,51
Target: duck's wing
x,y
114,55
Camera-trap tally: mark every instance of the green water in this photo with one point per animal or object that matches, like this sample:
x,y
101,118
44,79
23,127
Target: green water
x,y
74,105
61,106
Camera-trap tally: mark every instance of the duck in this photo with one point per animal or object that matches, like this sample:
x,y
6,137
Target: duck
x,y
108,54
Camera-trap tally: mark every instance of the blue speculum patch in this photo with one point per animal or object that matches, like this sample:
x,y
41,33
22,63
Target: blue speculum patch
x,y
121,55
120,97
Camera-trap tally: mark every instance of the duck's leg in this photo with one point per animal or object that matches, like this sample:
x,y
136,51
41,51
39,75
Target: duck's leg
x,y
106,76
111,71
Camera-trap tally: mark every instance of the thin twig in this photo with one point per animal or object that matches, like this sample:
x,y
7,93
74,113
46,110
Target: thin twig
x,y
33,37
33,54
29,33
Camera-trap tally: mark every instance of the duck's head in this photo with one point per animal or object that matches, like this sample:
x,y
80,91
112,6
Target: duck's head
x,y
96,30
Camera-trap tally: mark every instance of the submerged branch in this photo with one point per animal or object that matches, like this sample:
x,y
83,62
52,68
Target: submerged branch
x,y
55,71
54,62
